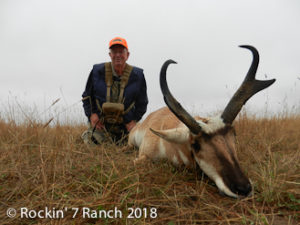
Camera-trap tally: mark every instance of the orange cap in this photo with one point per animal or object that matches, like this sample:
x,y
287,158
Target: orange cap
x,y
118,41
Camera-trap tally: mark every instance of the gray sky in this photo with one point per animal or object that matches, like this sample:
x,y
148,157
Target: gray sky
x,y
47,49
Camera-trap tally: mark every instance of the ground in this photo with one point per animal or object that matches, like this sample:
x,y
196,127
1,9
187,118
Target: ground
x,y
43,166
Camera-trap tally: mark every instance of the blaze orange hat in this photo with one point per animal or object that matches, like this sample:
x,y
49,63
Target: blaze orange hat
x,y
118,41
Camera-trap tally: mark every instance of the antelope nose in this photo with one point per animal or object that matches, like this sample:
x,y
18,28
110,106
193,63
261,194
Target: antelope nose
x,y
243,189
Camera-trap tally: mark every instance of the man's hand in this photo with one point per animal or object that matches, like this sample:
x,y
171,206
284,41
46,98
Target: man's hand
x,y
130,125
94,120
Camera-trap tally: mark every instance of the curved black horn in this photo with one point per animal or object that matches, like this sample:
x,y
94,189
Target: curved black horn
x,y
172,103
248,88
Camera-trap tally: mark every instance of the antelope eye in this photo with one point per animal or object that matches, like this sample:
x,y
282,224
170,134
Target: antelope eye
x,y
206,136
196,146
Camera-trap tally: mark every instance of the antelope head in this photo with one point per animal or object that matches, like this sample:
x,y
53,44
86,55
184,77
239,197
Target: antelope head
x,y
212,140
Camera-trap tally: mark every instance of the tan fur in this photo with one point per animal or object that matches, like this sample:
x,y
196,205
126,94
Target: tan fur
x,y
161,119
219,141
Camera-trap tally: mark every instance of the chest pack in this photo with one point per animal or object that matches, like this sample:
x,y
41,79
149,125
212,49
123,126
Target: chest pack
x,y
113,111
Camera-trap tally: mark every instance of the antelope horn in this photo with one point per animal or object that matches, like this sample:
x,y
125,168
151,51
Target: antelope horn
x,y
172,103
248,88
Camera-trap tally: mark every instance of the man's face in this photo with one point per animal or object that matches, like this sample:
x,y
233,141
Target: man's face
x,y
118,55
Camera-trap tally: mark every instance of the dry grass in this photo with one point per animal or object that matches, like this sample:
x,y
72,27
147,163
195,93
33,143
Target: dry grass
x,y
51,167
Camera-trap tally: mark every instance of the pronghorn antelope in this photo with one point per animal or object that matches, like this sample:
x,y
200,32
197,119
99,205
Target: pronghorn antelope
x,y
209,142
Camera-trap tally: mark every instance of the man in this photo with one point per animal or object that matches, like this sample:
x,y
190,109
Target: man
x,y
115,97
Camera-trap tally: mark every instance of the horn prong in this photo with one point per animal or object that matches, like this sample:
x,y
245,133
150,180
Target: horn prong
x,y
248,88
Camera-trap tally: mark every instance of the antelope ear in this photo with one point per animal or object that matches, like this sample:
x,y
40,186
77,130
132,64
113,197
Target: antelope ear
x,y
176,135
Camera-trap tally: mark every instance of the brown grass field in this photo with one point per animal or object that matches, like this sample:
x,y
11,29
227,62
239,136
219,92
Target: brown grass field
x,y
51,167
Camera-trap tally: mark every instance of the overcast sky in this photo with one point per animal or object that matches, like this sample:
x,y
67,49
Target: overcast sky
x,y
47,49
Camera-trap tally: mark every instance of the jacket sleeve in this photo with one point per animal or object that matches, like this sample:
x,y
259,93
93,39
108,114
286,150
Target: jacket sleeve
x,y
141,101
89,104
